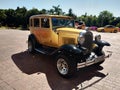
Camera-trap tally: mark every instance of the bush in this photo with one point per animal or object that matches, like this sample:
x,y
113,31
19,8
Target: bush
x,y
118,25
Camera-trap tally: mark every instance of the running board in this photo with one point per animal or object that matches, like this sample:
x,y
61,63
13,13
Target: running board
x,y
40,51
44,51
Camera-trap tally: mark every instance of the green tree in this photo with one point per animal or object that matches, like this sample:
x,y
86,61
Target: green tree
x,y
118,24
31,12
88,20
10,19
91,20
2,17
115,21
94,21
43,11
20,16
51,11
70,13
57,10
83,18
104,18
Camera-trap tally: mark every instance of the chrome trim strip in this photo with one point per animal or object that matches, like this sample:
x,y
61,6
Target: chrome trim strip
x,y
40,51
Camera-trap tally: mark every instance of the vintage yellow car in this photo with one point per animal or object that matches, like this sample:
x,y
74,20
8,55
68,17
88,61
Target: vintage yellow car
x,y
72,48
108,28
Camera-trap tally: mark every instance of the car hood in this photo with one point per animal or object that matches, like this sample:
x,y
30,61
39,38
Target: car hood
x,y
70,30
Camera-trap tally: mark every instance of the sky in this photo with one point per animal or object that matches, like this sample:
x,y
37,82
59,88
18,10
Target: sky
x,y
79,7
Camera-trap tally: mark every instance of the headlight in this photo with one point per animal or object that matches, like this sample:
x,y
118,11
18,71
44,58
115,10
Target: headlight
x,y
98,38
81,39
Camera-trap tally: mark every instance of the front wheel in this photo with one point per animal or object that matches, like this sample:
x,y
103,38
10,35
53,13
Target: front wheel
x,y
66,66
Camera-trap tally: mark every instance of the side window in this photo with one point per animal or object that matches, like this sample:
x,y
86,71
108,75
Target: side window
x,y
45,23
36,22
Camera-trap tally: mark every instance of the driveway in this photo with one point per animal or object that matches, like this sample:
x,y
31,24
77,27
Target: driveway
x,y
20,70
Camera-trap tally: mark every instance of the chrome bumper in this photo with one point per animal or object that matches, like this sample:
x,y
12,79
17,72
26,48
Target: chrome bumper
x,y
94,60
109,53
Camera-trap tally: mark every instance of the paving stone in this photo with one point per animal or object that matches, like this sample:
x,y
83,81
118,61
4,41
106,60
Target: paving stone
x,y
5,86
22,71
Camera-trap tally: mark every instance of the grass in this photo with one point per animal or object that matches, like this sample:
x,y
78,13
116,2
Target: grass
x,y
3,28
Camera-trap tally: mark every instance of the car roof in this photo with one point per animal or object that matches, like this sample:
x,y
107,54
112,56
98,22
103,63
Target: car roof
x,y
47,15
109,26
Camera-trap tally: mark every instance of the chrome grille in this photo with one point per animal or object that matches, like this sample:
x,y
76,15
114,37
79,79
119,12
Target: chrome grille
x,y
88,40
68,40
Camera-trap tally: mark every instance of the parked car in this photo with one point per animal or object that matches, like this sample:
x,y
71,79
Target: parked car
x,y
56,36
108,28
94,28
119,29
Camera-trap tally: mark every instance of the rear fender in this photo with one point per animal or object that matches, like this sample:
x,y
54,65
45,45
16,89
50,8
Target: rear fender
x,y
33,39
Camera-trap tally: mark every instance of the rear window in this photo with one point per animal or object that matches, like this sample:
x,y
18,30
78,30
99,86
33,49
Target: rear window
x,y
109,26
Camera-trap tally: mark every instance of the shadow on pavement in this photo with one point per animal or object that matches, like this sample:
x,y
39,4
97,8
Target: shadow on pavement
x,y
38,63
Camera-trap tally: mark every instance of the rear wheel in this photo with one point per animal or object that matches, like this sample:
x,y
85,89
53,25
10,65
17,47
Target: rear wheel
x,y
65,66
102,30
31,48
115,31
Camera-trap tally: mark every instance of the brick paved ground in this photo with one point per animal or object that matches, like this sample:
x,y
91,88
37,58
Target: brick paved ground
x,y
20,70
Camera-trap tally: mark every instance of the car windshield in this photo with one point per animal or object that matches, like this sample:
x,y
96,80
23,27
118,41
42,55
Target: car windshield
x,y
62,22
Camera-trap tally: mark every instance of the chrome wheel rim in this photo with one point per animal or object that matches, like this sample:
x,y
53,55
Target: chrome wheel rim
x,y
62,66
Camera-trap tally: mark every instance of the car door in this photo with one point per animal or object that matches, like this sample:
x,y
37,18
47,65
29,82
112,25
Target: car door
x,y
48,36
45,31
109,28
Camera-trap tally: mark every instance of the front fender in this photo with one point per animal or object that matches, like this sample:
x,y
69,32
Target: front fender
x,y
102,43
70,51
98,50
